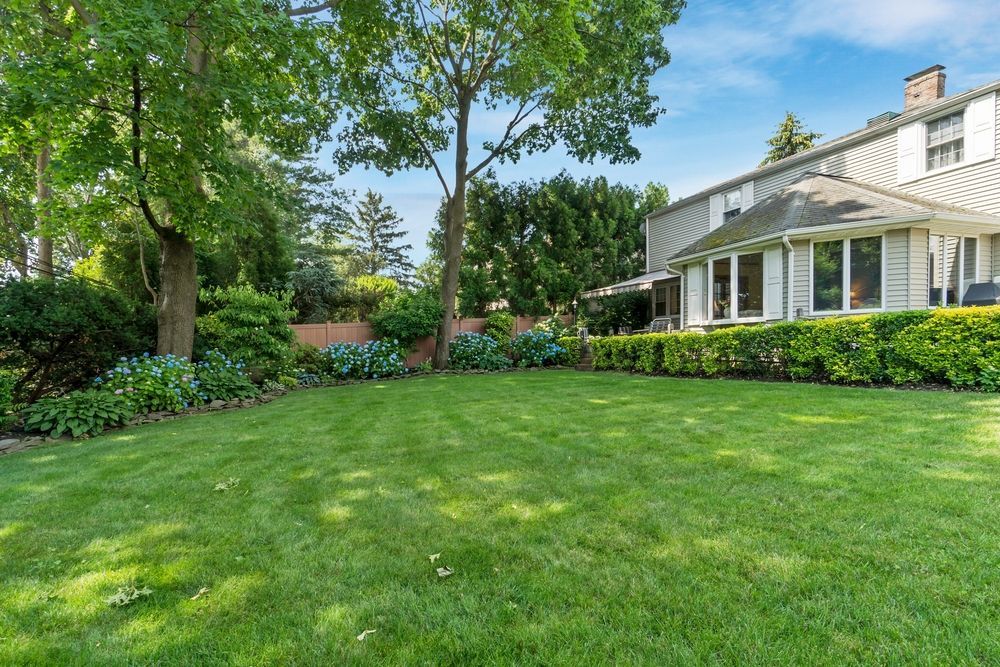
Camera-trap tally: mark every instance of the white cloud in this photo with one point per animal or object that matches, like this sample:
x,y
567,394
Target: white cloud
x,y
900,24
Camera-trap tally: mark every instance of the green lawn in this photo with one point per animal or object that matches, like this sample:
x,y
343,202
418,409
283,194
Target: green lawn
x,y
588,518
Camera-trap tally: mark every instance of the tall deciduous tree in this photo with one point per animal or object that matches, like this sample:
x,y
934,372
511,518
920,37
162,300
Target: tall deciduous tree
x,y
374,235
424,76
140,101
790,138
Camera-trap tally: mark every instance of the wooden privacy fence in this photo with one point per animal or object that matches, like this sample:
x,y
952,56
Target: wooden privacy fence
x,y
322,335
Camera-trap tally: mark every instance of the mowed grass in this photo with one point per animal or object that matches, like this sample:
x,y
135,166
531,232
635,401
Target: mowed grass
x,y
589,518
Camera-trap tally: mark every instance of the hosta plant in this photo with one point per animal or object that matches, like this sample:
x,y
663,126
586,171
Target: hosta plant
x,y
78,413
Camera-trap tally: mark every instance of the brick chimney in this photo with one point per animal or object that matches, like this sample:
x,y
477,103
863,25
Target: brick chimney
x,y
923,87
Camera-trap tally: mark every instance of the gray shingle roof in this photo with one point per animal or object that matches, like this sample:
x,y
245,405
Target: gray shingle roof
x,y
816,200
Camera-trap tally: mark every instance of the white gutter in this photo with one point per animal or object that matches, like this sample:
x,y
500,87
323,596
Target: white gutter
x,y
791,273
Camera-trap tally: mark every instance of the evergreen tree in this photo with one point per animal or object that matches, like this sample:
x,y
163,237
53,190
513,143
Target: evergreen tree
x,y
374,236
790,138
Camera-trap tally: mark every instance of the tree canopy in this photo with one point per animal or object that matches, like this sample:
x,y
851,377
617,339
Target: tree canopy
x,y
533,246
568,72
789,138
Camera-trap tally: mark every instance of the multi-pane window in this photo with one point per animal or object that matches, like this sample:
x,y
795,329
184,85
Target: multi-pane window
x,y
945,141
737,287
660,302
674,299
731,205
847,275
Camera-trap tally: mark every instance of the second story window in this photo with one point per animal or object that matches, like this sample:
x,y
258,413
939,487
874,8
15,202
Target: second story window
x,y
731,205
945,141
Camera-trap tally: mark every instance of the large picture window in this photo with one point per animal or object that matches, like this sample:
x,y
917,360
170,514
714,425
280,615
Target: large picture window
x,y
737,287
847,275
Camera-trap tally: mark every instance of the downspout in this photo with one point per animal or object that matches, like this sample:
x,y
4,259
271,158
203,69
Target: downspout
x,y
681,274
791,273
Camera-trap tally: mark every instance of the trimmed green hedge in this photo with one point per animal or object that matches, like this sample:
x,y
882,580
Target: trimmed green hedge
x,y
571,345
956,346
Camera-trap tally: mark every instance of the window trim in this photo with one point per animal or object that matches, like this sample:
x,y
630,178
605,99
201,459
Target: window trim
x,y
656,301
925,146
738,209
734,279
845,277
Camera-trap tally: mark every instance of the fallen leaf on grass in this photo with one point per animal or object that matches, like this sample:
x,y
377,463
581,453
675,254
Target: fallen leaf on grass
x,y
445,571
434,557
201,591
365,634
126,595
230,483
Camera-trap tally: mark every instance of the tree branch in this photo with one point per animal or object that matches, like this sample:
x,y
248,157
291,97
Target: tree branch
x,y
85,16
312,9
58,28
505,142
147,211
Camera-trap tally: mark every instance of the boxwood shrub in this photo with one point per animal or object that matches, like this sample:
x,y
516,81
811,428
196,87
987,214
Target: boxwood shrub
x,y
958,346
571,350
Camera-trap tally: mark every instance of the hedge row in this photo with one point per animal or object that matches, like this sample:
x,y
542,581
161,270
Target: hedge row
x,y
957,346
571,345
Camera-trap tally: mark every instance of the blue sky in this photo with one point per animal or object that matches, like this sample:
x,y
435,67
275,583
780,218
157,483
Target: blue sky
x,y
736,68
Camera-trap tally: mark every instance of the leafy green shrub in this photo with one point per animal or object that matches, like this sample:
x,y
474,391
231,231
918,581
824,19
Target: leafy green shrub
x,y
500,327
408,317
536,348
307,358
218,378
375,359
248,325
554,325
958,346
78,413
473,351
151,383
572,348
7,417
56,335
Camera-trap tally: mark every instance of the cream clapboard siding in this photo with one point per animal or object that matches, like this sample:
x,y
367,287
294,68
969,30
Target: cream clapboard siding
x,y
874,161
985,258
800,281
671,233
918,267
897,278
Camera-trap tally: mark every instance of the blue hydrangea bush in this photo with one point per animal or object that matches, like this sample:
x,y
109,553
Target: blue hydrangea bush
x,y
472,351
375,359
537,348
151,383
167,382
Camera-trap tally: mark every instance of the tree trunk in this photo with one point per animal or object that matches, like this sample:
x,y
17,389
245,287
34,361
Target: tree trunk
x,y
454,232
178,295
43,194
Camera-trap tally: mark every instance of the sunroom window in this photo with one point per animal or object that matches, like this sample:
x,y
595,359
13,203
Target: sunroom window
x,y
660,302
847,275
953,265
945,141
737,287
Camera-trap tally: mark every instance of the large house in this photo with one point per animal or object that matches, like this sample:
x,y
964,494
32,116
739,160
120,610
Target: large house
x,y
903,214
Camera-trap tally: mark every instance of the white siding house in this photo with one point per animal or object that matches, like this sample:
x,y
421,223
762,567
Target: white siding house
x,y
902,214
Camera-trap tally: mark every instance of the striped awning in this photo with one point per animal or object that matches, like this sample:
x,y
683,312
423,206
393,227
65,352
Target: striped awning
x,y
637,284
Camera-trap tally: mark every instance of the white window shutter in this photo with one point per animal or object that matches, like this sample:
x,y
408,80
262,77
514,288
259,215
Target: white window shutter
x,y
907,152
773,283
694,287
980,123
714,212
746,196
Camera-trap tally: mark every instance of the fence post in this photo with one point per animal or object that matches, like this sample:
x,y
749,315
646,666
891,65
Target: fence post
x,y
326,334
